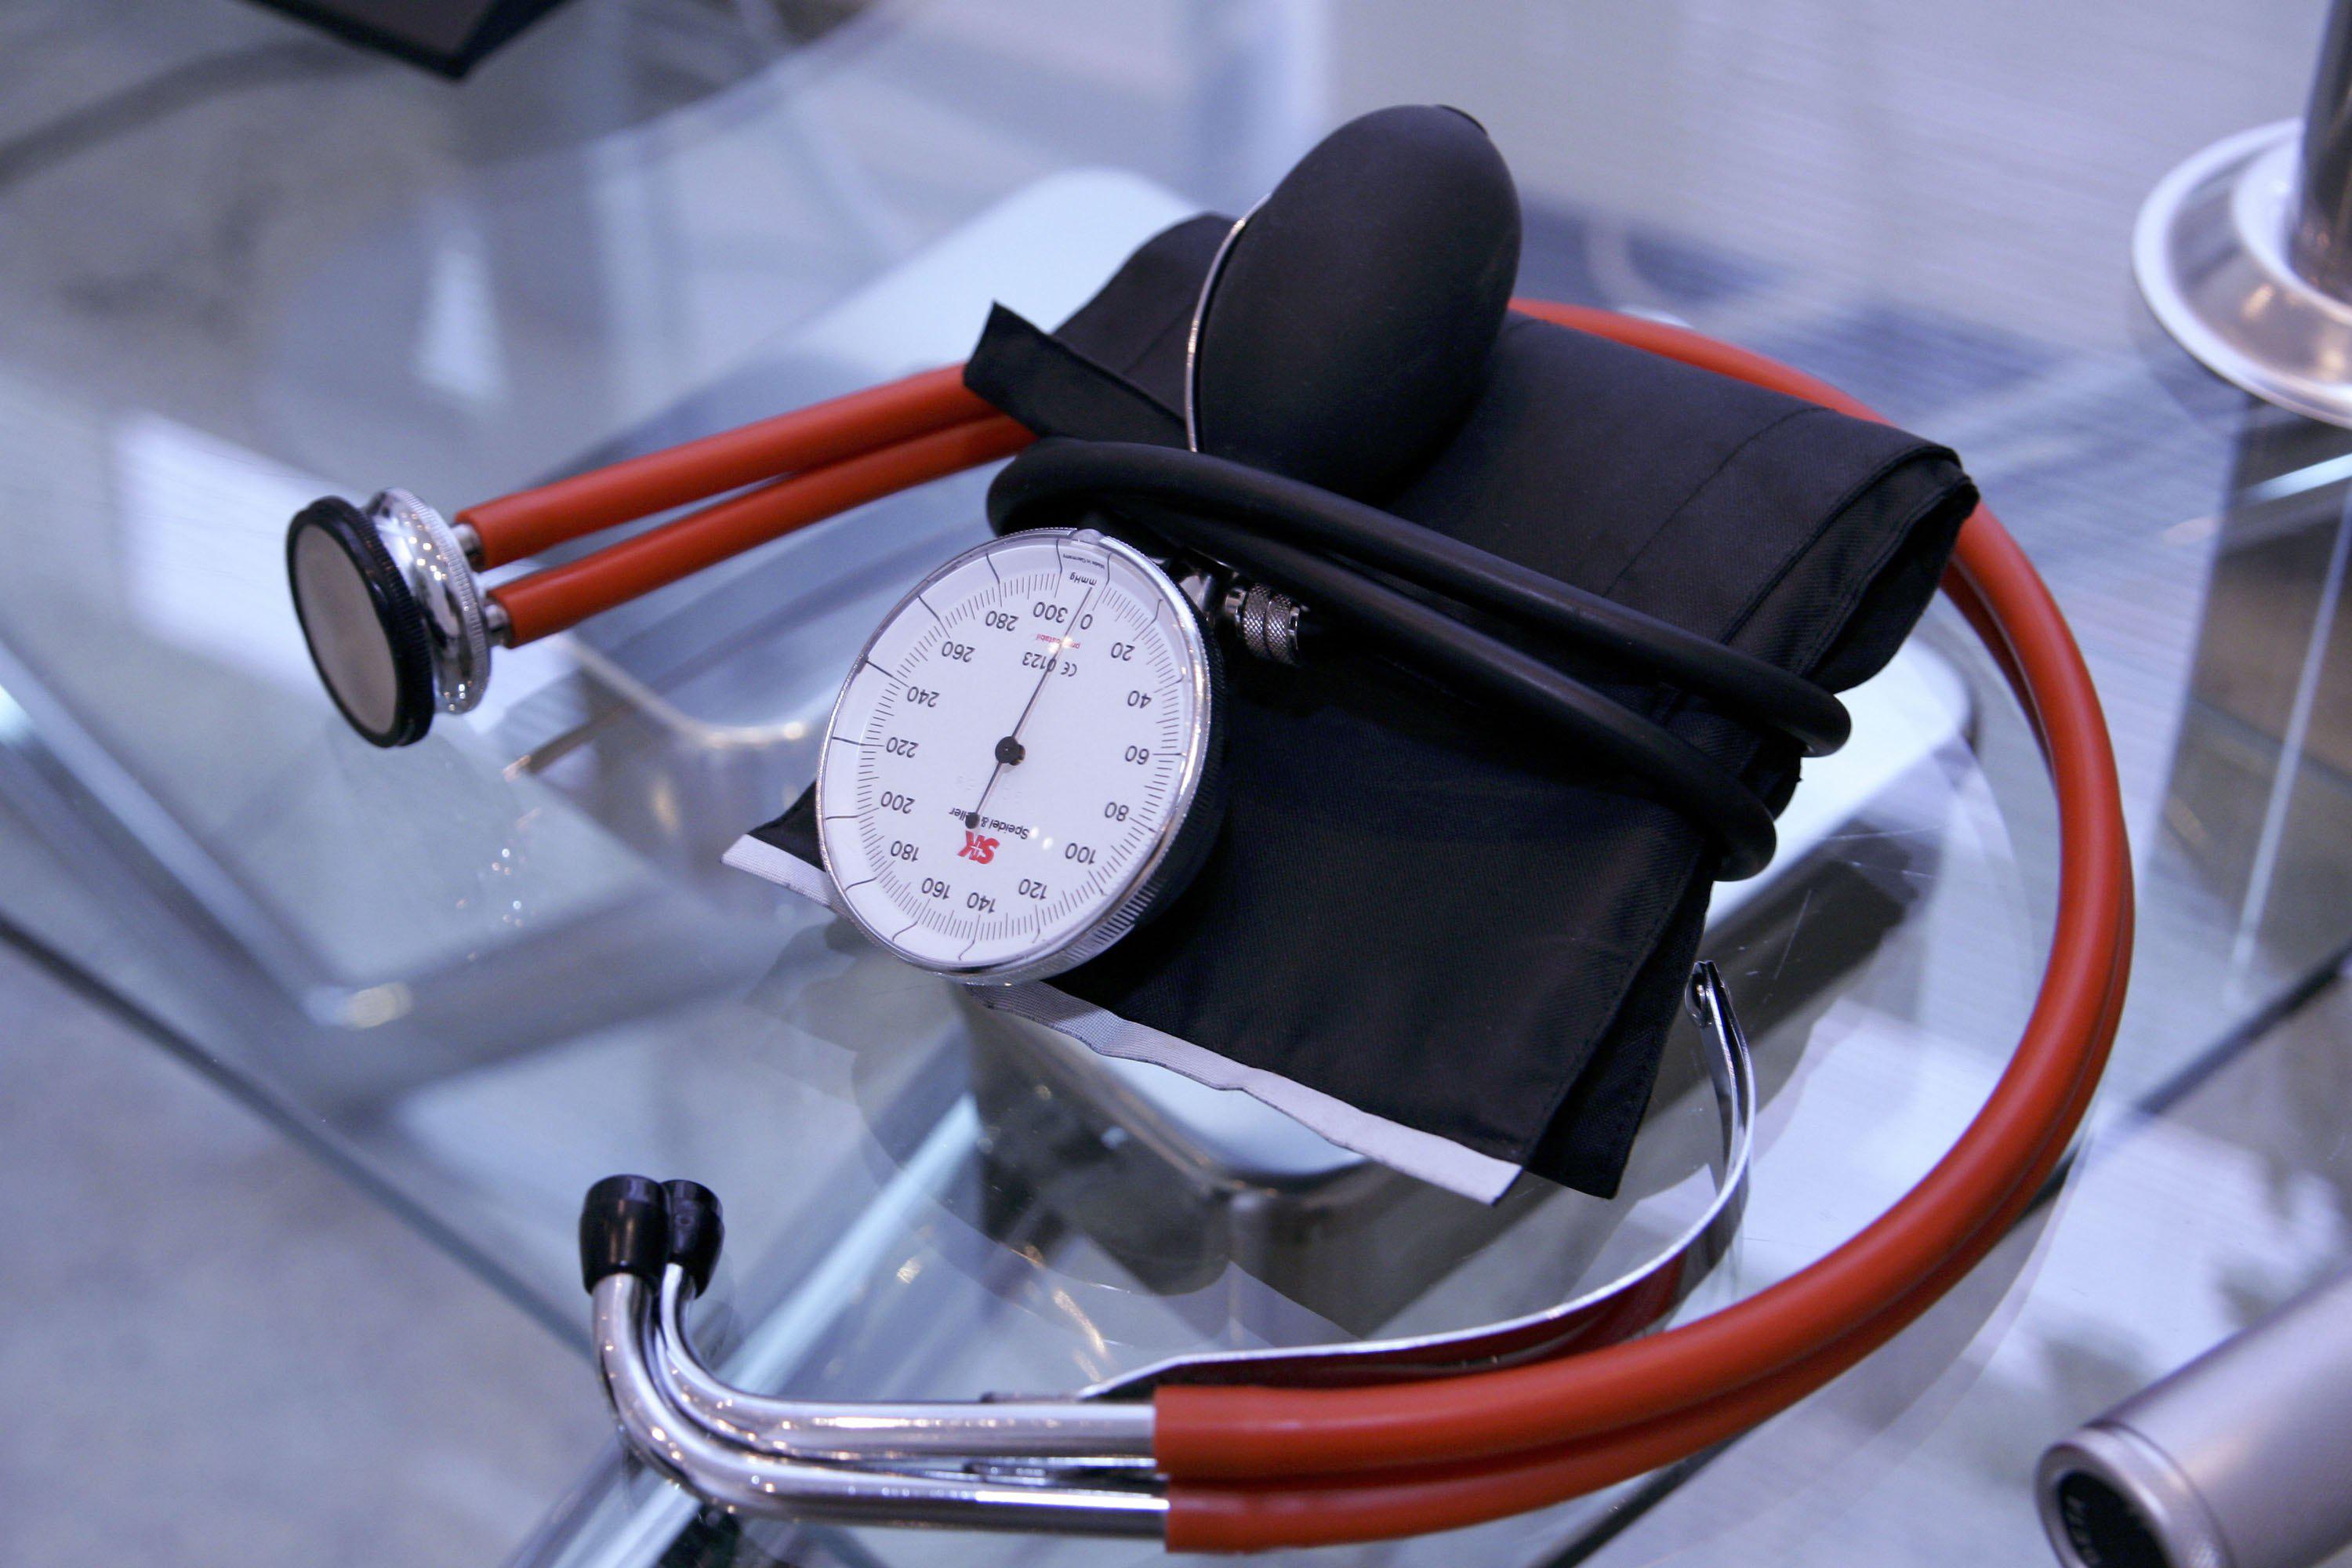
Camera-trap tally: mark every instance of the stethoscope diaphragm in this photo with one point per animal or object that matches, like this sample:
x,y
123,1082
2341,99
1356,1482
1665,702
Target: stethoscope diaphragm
x,y
395,622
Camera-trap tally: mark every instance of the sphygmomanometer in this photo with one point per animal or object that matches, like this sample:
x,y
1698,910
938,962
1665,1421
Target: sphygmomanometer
x,y
1367,679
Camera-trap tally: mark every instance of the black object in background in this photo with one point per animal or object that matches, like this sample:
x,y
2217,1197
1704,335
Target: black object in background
x,y
446,35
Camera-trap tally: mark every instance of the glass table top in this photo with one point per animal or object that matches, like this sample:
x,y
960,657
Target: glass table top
x,y
477,974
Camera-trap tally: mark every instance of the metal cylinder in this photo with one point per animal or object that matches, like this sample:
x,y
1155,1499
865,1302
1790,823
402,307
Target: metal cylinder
x,y
2321,246
2242,1458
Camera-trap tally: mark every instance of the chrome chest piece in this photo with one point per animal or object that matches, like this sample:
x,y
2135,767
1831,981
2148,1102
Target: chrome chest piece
x,y
395,622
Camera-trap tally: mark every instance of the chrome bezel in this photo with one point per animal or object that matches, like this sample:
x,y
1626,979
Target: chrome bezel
x,y
1194,811
434,566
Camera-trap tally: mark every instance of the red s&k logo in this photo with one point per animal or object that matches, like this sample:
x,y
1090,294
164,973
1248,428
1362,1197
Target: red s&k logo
x,y
977,846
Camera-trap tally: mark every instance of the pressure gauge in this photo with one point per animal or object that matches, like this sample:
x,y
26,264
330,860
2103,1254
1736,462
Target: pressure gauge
x,y
1024,763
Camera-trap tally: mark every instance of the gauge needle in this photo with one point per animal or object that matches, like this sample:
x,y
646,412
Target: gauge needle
x,y
1010,751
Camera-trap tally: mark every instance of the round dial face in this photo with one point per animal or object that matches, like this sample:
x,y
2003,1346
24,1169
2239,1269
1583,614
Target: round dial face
x,y
1014,755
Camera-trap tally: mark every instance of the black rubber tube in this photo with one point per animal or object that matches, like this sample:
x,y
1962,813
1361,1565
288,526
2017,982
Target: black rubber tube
x,y
1060,474
1424,637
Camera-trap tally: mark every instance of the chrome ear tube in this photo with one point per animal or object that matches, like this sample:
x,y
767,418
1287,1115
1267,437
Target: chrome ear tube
x,y
736,1477
900,1465
1082,1463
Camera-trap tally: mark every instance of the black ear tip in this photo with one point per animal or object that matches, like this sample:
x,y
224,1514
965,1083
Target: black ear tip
x,y
624,1229
697,1229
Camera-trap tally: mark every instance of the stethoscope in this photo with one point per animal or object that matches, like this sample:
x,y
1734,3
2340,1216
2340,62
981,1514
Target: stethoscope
x,y
1334,1448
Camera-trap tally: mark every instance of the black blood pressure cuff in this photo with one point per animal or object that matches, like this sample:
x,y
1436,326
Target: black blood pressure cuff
x,y
1432,936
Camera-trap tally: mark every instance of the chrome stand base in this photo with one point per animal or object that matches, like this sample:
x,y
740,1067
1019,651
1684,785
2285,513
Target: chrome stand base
x,y
2210,251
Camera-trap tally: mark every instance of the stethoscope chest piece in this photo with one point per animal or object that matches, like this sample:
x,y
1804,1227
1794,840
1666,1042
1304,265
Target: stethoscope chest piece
x,y
389,607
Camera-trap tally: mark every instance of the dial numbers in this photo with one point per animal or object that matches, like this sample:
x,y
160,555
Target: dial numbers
x,y
1013,752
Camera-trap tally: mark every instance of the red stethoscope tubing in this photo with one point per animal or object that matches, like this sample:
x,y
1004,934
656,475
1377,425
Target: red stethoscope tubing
x,y
1375,1461
526,522
1480,1445
1374,1506
548,600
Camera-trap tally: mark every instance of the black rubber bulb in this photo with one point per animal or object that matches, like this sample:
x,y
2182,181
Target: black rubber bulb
x,y
1349,326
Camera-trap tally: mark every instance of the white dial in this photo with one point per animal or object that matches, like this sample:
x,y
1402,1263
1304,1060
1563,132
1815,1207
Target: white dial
x,y
1017,756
